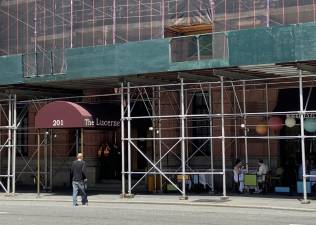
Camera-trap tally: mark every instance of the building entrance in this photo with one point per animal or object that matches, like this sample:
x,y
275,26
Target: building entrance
x,y
109,161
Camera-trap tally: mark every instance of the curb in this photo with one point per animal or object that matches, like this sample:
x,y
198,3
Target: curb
x,y
219,204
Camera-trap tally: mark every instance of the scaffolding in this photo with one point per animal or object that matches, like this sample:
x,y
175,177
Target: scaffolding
x,y
223,126
39,26
43,30
173,139
8,143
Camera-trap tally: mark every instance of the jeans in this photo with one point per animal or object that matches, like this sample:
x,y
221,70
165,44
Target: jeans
x,y
76,187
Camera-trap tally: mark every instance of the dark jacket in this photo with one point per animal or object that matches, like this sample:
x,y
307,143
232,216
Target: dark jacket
x,y
78,170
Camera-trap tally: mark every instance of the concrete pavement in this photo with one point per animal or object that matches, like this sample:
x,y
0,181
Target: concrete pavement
x,y
243,201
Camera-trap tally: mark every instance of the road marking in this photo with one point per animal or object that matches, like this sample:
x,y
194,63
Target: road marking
x,y
3,212
295,224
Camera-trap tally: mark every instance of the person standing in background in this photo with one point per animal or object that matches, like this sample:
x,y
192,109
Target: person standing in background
x,y
238,176
261,175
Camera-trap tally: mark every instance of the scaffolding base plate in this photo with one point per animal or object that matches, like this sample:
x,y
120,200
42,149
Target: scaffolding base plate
x,y
224,198
305,202
127,195
10,195
183,198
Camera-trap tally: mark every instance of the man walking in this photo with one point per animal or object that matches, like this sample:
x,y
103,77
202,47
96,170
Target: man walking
x,y
78,174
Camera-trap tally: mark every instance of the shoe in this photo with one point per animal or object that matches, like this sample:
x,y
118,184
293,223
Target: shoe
x,y
75,205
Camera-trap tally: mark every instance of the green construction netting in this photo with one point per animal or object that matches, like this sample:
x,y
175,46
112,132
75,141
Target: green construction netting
x,y
41,26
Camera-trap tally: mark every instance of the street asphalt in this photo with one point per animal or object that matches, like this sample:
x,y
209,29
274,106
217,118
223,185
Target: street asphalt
x,y
63,213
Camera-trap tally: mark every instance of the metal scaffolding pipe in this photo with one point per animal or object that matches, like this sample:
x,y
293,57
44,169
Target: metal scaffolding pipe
x,y
245,124
77,141
154,166
122,140
235,128
159,135
156,163
227,137
219,115
14,144
35,38
211,134
50,159
223,138
38,164
114,23
81,140
176,173
302,136
268,14
267,109
250,81
154,123
46,160
182,140
129,156
10,145
71,23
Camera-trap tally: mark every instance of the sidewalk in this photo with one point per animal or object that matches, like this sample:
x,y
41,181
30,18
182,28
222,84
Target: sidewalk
x,y
245,201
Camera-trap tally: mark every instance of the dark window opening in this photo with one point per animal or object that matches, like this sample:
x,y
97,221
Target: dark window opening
x,y
201,127
22,132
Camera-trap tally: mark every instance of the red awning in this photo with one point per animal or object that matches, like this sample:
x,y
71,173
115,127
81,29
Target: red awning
x,y
62,114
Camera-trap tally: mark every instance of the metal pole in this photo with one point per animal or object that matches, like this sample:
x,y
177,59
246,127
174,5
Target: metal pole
x,y
10,144
159,136
122,140
46,159
198,48
268,13
211,134
129,140
245,123
0,151
51,160
223,138
235,126
35,36
14,145
81,145
302,136
71,23
267,109
184,197
154,121
77,141
52,62
114,22
38,163
186,131
163,18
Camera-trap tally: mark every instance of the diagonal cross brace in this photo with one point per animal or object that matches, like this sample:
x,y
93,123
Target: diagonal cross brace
x,y
162,173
